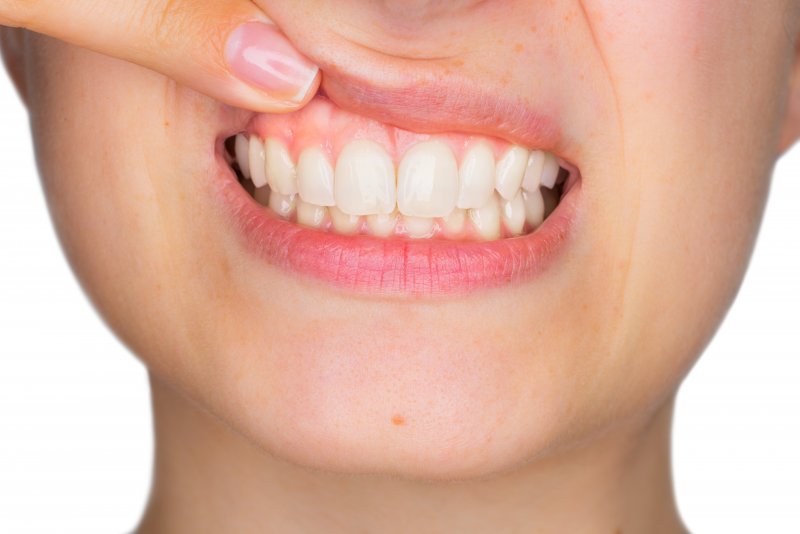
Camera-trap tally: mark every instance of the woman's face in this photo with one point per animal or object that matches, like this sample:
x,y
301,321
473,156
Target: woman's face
x,y
433,358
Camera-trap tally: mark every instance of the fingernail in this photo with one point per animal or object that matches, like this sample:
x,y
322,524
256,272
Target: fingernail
x,y
260,54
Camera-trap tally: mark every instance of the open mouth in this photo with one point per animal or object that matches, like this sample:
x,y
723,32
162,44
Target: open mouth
x,y
370,206
336,172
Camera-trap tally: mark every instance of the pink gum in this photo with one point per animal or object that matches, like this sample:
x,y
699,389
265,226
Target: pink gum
x,y
323,124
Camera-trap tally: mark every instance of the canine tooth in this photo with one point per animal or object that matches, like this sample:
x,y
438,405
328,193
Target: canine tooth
x,y
283,205
418,227
510,170
257,164
476,177
365,182
310,214
533,171
550,171
343,223
262,195
534,207
315,177
281,172
382,224
514,214
242,150
454,222
427,180
486,219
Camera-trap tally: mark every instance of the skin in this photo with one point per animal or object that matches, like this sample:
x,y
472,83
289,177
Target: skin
x,y
283,405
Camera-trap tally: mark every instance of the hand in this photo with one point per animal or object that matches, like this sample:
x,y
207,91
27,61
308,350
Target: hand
x,y
227,49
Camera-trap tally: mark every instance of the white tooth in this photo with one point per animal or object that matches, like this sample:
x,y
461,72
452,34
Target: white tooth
x,y
534,207
262,195
281,172
242,150
454,222
382,224
365,179
418,227
486,219
550,171
510,170
257,155
343,223
427,181
310,214
476,177
514,214
315,177
283,205
533,171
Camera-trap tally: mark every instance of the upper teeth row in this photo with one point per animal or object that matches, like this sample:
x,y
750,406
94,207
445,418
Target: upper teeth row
x,y
428,182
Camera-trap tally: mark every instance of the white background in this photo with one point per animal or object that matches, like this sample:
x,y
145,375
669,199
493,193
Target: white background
x,y
75,436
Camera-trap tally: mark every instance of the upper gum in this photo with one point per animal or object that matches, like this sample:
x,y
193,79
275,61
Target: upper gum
x,y
323,124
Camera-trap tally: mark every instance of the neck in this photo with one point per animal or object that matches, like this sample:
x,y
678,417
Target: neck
x,y
209,478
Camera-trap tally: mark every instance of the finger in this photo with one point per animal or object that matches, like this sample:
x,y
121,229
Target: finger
x,y
227,49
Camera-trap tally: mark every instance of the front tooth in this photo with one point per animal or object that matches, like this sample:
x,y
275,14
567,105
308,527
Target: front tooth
x,y
550,171
281,172
365,179
283,205
476,177
315,177
534,207
514,214
310,214
382,224
510,170
418,227
257,166
427,181
533,172
454,222
343,223
242,150
486,219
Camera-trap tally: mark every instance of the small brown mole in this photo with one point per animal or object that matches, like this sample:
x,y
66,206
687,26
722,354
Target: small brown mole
x,y
398,420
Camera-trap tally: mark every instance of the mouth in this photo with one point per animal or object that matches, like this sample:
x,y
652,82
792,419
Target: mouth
x,y
371,208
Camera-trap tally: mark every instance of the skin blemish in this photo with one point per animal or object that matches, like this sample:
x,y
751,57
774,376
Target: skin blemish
x,y
398,420
518,48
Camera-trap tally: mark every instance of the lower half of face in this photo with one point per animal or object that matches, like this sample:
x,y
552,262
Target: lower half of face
x,y
439,268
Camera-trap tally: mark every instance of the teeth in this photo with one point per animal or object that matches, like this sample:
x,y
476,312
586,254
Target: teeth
x,y
257,162
242,151
418,227
365,182
310,214
533,172
510,170
427,181
315,177
454,222
281,172
382,224
514,214
486,219
343,223
550,171
283,205
476,177
534,207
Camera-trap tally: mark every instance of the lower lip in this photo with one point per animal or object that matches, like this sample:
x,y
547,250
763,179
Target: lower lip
x,y
395,267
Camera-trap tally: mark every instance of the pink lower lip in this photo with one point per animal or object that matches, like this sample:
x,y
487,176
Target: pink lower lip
x,y
395,267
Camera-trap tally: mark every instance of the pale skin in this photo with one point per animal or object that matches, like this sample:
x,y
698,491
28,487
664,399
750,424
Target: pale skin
x,y
283,406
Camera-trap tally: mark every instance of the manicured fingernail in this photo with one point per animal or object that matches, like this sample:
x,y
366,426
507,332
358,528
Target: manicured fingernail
x,y
260,54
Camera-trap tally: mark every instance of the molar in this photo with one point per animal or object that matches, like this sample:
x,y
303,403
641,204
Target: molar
x,y
427,180
365,179
315,177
